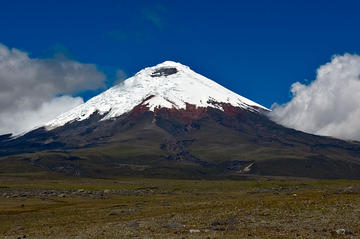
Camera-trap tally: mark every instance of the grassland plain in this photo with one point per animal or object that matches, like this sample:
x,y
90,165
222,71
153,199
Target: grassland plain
x,y
42,205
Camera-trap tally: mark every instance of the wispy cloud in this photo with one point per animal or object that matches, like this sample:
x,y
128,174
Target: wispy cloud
x,y
147,20
156,15
120,76
117,35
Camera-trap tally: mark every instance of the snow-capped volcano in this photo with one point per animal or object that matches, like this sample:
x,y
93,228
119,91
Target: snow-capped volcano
x,y
168,121
166,85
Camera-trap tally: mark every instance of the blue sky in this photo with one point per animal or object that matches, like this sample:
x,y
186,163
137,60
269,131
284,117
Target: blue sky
x,y
255,48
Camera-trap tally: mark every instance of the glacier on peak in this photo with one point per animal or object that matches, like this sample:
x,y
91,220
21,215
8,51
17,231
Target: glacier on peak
x,y
171,85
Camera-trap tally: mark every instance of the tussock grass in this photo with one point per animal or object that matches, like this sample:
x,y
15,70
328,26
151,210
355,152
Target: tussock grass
x,y
164,208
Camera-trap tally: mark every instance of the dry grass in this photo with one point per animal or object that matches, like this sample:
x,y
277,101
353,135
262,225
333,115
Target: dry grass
x,y
160,208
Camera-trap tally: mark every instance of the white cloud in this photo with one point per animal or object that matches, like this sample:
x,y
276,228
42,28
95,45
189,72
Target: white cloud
x,y
24,120
33,91
330,105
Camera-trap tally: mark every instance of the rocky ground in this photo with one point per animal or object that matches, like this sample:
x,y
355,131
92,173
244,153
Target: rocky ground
x,y
35,207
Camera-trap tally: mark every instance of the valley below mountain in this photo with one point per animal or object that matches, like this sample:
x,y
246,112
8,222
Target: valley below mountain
x,y
51,205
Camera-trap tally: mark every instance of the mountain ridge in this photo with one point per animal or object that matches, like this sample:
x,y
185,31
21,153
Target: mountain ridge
x,y
212,139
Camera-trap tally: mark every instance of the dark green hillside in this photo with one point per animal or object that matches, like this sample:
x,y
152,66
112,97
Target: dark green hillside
x,y
197,143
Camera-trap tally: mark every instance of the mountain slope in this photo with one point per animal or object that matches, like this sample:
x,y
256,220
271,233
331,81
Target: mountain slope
x,y
168,126
167,85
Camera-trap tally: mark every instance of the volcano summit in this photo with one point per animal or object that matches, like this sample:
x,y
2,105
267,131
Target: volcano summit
x,y
168,85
